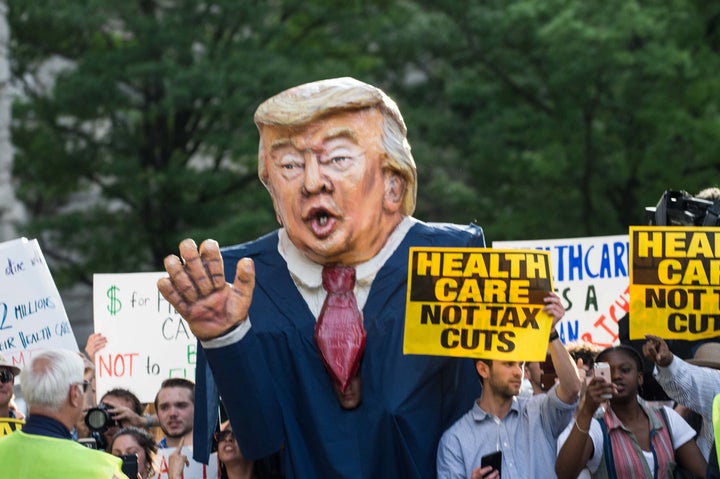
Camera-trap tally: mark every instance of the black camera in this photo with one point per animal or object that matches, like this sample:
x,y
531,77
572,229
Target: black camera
x,y
679,208
99,419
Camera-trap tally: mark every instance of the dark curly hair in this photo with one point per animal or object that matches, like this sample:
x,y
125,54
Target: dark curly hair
x,y
126,394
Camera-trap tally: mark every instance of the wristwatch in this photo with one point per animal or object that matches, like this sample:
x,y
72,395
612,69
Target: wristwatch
x,y
553,335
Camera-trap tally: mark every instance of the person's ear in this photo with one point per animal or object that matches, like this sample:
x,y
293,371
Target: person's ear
x,y
76,396
395,187
482,369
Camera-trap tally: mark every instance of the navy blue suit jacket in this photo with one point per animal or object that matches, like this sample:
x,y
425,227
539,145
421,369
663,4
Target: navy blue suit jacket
x,y
279,396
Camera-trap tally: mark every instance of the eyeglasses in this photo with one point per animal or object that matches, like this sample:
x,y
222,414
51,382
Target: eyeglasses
x,y
223,435
84,385
6,376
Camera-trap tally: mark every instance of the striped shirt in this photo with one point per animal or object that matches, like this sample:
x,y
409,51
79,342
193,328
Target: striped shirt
x,y
631,462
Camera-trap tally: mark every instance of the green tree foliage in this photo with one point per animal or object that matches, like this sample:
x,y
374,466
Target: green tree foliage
x,y
568,117
146,134
533,118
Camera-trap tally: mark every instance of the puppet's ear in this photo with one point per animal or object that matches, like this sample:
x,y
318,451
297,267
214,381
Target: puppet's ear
x,y
394,191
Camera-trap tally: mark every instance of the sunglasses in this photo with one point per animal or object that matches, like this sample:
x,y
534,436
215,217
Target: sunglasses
x,y
223,435
6,376
84,385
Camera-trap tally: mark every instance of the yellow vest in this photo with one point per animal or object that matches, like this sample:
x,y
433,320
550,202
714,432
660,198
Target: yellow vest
x,y
30,456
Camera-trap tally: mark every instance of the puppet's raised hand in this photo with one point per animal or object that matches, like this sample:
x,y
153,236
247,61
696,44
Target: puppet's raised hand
x,y
198,291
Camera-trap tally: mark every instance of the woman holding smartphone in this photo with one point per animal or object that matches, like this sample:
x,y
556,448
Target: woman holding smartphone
x,y
131,441
632,439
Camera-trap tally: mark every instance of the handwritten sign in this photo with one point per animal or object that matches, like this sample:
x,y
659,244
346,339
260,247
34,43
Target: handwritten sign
x,y
591,276
675,282
194,470
32,315
477,302
148,341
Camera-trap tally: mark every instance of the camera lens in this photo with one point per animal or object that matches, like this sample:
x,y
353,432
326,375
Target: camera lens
x,y
98,419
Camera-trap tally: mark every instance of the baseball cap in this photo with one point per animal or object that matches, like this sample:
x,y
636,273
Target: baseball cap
x,y
8,364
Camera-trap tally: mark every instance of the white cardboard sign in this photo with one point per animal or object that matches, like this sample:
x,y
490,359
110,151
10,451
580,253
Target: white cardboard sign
x,y
591,276
32,315
148,341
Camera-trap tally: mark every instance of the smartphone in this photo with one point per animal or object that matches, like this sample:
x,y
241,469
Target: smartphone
x,y
602,370
130,465
493,459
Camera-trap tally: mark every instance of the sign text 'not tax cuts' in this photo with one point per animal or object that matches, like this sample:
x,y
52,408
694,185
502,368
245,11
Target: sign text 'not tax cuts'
x,y
675,282
478,302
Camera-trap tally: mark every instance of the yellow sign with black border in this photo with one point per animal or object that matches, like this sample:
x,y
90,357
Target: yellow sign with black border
x,y
478,302
8,425
674,282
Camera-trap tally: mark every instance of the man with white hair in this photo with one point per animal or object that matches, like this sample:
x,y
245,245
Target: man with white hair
x,y
53,387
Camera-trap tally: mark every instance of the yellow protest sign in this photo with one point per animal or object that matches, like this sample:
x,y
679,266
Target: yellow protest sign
x,y
674,282
478,302
9,425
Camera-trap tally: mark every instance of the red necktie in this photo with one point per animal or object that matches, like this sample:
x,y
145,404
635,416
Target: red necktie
x,y
339,332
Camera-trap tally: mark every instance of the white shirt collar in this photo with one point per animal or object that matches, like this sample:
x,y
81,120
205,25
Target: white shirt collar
x,y
309,274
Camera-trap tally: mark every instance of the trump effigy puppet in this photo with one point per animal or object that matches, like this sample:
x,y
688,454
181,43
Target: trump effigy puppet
x,y
301,331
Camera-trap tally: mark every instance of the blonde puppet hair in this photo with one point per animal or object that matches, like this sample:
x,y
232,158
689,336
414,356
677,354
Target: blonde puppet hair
x,y
306,103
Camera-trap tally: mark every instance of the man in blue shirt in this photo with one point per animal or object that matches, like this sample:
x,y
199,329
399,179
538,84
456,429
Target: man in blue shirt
x,y
525,429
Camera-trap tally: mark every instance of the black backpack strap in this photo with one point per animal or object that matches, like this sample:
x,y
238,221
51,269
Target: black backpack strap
x,y
666,422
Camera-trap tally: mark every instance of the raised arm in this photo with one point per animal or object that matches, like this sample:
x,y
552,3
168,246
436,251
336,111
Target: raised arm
x,y
690,385
95,342
575,453
569,381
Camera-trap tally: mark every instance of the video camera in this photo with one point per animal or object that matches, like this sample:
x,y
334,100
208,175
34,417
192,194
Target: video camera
x,y
679,208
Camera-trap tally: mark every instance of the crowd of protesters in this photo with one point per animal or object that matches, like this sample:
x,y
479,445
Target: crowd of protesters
x,y
336,161
567,428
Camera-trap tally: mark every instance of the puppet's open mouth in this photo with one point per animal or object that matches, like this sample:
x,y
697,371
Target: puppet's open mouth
x,y
321,221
